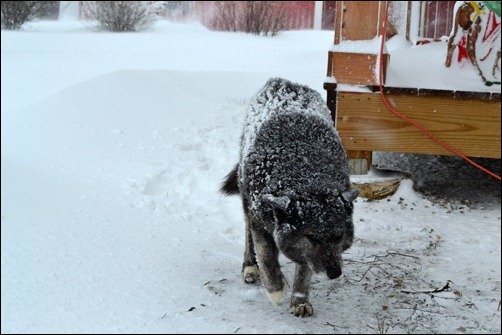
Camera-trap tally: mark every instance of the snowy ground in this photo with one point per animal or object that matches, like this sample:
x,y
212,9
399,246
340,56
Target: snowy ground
x,y
113,149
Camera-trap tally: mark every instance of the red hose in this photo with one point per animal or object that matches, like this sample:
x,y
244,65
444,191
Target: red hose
x,y
412,122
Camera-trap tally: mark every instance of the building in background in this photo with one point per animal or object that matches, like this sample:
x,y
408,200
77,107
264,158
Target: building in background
x,y
434,18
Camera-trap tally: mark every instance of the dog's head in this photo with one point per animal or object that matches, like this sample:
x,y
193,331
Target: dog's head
x,y
314,229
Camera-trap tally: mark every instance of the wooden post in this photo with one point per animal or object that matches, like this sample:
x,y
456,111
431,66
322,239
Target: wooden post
x,y
356,21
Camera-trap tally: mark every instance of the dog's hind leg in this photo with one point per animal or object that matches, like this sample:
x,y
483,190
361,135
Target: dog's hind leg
x,y
300,305
271,276
250,271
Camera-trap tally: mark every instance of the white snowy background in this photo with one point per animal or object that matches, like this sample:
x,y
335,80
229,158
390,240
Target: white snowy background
x,y
113,147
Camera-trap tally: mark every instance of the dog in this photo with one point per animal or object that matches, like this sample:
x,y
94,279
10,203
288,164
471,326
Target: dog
x,y
293,181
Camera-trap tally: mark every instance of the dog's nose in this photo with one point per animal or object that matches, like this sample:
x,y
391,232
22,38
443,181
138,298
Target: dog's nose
x,y
333,272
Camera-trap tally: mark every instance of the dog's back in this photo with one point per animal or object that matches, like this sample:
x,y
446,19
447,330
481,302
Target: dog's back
x,y
289,143
280,97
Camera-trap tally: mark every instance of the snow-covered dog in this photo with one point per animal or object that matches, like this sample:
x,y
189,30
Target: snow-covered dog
x,y
295,189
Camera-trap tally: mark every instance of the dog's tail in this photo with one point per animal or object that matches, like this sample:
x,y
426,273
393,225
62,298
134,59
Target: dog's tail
x,y
230,185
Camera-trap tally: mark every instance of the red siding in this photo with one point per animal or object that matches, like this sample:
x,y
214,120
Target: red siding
x,y
438,17
300,14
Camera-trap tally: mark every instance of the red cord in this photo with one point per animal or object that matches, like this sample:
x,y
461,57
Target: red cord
x,y
412,122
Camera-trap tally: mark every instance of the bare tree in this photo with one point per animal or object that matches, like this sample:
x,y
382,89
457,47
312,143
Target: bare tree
x,y
276,20
227,16
255,17
121,15
264,17
16,13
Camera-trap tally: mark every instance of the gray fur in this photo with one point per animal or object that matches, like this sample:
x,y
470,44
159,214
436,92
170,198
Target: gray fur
x,y
293,180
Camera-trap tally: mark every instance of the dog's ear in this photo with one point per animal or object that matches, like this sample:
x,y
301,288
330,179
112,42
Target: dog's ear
x,y
277,203
349,196
280,207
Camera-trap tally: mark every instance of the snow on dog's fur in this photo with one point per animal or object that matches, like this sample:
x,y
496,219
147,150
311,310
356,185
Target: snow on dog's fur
x,y
293,180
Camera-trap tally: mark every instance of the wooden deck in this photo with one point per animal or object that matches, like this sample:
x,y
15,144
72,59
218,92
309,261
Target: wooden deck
x,y
470,122
451,105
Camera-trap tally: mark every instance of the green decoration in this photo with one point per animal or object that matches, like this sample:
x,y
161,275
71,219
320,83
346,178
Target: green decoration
x,y
494,6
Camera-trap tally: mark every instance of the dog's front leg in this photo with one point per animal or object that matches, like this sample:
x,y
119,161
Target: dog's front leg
x,y
300,305
267,255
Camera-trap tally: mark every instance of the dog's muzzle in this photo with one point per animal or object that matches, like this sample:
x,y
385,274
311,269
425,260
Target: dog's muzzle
x,y
333,272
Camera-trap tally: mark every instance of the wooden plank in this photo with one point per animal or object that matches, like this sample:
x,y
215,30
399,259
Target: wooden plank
x,y
366,155
469,125
329,71
381,16
331,103
338,21
362,19
435,92
355,68
359,161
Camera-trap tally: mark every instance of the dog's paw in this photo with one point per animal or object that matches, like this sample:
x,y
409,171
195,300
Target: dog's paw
x,y
251,274
302,310
277,297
